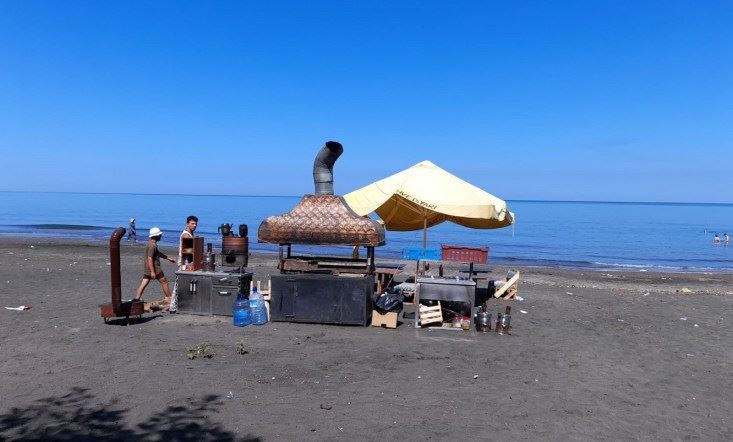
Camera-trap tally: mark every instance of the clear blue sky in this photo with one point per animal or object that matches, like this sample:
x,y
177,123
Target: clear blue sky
x,y
585,100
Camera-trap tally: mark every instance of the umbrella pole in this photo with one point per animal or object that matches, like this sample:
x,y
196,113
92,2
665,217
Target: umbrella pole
x,y
425,233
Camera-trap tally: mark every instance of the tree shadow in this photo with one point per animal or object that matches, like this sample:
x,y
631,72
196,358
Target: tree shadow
x,y
76,417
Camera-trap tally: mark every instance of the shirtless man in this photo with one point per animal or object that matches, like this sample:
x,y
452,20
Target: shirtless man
x,y
151,267
191,223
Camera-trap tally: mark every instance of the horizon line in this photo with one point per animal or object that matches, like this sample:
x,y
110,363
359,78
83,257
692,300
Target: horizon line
x,y
531,200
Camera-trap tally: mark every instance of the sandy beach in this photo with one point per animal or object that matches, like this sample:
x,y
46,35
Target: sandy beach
x,y
597,355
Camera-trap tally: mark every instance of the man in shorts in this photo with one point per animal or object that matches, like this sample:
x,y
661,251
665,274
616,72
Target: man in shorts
x,y
151,267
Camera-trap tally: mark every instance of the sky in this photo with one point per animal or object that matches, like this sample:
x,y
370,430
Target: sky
x,y
565,100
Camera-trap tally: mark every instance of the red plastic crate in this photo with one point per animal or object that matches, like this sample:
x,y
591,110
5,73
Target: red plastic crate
x,y
465,254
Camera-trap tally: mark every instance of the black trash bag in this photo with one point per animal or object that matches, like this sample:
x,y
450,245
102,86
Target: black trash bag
x,y
389,301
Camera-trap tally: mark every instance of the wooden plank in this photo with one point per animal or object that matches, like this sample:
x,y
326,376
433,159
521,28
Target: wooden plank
x,y
430,315
507,285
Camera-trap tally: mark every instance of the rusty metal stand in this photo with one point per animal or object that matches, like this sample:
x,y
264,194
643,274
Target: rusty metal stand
x,y
117,308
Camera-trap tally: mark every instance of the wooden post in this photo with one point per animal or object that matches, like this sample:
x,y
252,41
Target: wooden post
x,y
425,233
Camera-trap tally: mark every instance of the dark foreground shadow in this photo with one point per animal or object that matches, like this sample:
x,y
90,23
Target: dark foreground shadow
x,y
77,416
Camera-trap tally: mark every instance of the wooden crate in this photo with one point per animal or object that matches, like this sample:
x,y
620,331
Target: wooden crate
x,y
431,314
386,320
509,289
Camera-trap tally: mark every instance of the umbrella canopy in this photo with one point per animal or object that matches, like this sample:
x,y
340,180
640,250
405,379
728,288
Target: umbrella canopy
x,y
425,195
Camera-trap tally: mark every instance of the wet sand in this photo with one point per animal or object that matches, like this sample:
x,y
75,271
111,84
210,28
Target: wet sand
x,y
597,355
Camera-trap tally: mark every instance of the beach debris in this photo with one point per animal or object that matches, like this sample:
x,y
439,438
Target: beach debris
x,y
684,318
326,407
419,377
620,320
33,247
643,270
523,311
475,376
686,290
568,293
241,347
519,298
697,325
230,395
203,350
19,308
272,378
646,294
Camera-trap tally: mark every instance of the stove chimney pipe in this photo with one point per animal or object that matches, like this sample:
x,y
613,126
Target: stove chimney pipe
x,y
323,167
114,261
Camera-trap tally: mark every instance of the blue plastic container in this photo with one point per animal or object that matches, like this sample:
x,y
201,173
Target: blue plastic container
x,y
257,307
241,313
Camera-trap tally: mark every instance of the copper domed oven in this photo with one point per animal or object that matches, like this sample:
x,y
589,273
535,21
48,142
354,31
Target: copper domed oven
x,y
322,289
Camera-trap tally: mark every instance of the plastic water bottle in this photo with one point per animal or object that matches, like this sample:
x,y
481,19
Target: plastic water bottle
x,y
241,314
257,306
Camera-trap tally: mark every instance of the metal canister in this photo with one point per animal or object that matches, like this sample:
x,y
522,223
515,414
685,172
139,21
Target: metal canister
x,y
483,321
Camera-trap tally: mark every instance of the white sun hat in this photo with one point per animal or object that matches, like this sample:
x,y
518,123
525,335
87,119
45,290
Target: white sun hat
x,y
155,232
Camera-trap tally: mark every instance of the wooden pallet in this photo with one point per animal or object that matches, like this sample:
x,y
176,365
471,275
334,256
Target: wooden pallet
x,y
509,289
264,291
431,314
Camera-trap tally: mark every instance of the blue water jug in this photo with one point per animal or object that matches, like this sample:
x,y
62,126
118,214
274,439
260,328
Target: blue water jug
x,y
257,307
241,313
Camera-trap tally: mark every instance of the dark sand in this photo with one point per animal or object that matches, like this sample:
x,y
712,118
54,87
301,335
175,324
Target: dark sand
x,y
593,358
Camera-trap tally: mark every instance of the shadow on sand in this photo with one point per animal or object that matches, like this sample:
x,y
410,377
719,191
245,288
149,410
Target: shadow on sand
x,y
77,416
134,320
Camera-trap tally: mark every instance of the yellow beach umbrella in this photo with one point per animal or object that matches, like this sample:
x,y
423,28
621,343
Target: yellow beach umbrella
x,y
425,195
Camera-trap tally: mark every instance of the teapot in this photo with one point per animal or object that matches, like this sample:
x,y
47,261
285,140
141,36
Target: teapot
x,y
225,229
483,320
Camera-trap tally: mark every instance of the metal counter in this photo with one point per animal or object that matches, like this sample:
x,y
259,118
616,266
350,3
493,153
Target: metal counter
x,y
210,293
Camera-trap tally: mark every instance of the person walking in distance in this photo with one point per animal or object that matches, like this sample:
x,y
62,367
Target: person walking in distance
x,y
131,231
151,266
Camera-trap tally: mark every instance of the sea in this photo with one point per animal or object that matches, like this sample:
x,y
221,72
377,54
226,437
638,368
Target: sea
x,y
566,234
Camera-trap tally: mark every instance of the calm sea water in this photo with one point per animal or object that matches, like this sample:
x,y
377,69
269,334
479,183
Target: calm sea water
x,y
563,234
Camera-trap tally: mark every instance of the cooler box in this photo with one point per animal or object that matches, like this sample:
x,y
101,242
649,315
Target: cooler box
x,y
210,293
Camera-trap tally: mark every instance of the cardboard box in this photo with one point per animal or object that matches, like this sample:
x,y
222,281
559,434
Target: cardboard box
x,y
387,320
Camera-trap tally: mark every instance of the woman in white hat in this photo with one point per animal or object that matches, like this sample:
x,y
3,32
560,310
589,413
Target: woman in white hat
x,y
151,269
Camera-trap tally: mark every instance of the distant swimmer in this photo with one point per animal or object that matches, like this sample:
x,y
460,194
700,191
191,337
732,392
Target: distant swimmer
x,y
726,238
716,239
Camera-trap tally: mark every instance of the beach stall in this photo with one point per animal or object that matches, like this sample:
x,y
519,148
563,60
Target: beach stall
x,y
322,289
425,195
